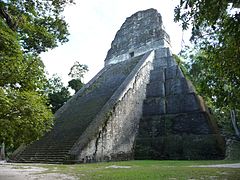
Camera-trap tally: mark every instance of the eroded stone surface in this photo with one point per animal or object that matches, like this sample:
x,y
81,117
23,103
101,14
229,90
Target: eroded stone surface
x,y
140,33
175,123
139,106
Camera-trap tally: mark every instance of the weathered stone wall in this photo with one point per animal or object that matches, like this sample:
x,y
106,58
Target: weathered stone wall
x,y
175,122
140,33
115,137
138,106
76,115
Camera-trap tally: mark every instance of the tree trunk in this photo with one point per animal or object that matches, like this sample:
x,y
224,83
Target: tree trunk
x,y
2,153
234,123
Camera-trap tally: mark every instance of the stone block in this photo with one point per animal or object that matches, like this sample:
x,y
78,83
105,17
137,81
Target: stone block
x,y
174,104
152,126
142,149
171,61
191,103
158,148
173,72
160,63
164,62
158,127
157,75
178,86
167,147
154,106
162,52
200,147
190,123
182,147
173,86
155,89
181,103
145,129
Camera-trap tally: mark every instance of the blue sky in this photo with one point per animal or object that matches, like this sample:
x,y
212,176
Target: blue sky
x,y
93,25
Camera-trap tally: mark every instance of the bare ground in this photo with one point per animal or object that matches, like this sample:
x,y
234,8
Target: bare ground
x,y
235,165
10,171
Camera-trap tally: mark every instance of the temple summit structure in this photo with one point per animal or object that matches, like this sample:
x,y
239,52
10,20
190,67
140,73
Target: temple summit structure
x,y
139,106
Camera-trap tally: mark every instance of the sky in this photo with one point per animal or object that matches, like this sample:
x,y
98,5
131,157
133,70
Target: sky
x,y
93,25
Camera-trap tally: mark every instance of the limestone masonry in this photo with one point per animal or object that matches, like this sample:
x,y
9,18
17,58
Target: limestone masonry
x,y
139,106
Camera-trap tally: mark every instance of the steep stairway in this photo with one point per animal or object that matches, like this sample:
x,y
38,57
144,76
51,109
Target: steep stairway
x,y
76,115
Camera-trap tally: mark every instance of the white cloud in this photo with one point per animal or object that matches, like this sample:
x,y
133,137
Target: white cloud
x,y
93,25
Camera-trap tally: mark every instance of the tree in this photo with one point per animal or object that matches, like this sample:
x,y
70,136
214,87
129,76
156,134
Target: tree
x,y
24,117
39,24
215,61
27,28
24,114
75,84
77,72
57,93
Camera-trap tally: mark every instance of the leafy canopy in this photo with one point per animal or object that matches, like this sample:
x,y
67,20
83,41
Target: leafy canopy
x,y
57,93
215,56
77,73
27,28
39,24
216,34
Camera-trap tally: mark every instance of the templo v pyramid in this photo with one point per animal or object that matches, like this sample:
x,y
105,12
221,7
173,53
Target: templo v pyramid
x,y
139,106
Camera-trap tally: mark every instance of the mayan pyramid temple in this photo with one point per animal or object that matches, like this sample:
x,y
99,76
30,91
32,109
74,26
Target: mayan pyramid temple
x,y
139,106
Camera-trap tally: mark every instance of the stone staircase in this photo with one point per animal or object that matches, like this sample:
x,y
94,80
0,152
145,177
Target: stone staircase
x,y
175,123
48,151
75,116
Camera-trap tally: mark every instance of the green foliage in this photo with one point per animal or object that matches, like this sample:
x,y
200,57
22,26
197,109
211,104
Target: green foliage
x,y
24,117
75,84
57,99
181,64
57,93
39,24
77,73
218,93
27,28
8,40
214,65
78,70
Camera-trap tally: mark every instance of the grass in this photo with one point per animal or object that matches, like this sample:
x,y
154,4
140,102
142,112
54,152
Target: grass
x,y
147,169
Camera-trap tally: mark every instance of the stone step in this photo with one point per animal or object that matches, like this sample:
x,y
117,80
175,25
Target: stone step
x,y
182,103
178,86
154,106
51,145
53,161
184,123
155,89
157,75
50,148
43,157
173,72
173,104
175,146
164,62
46,152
